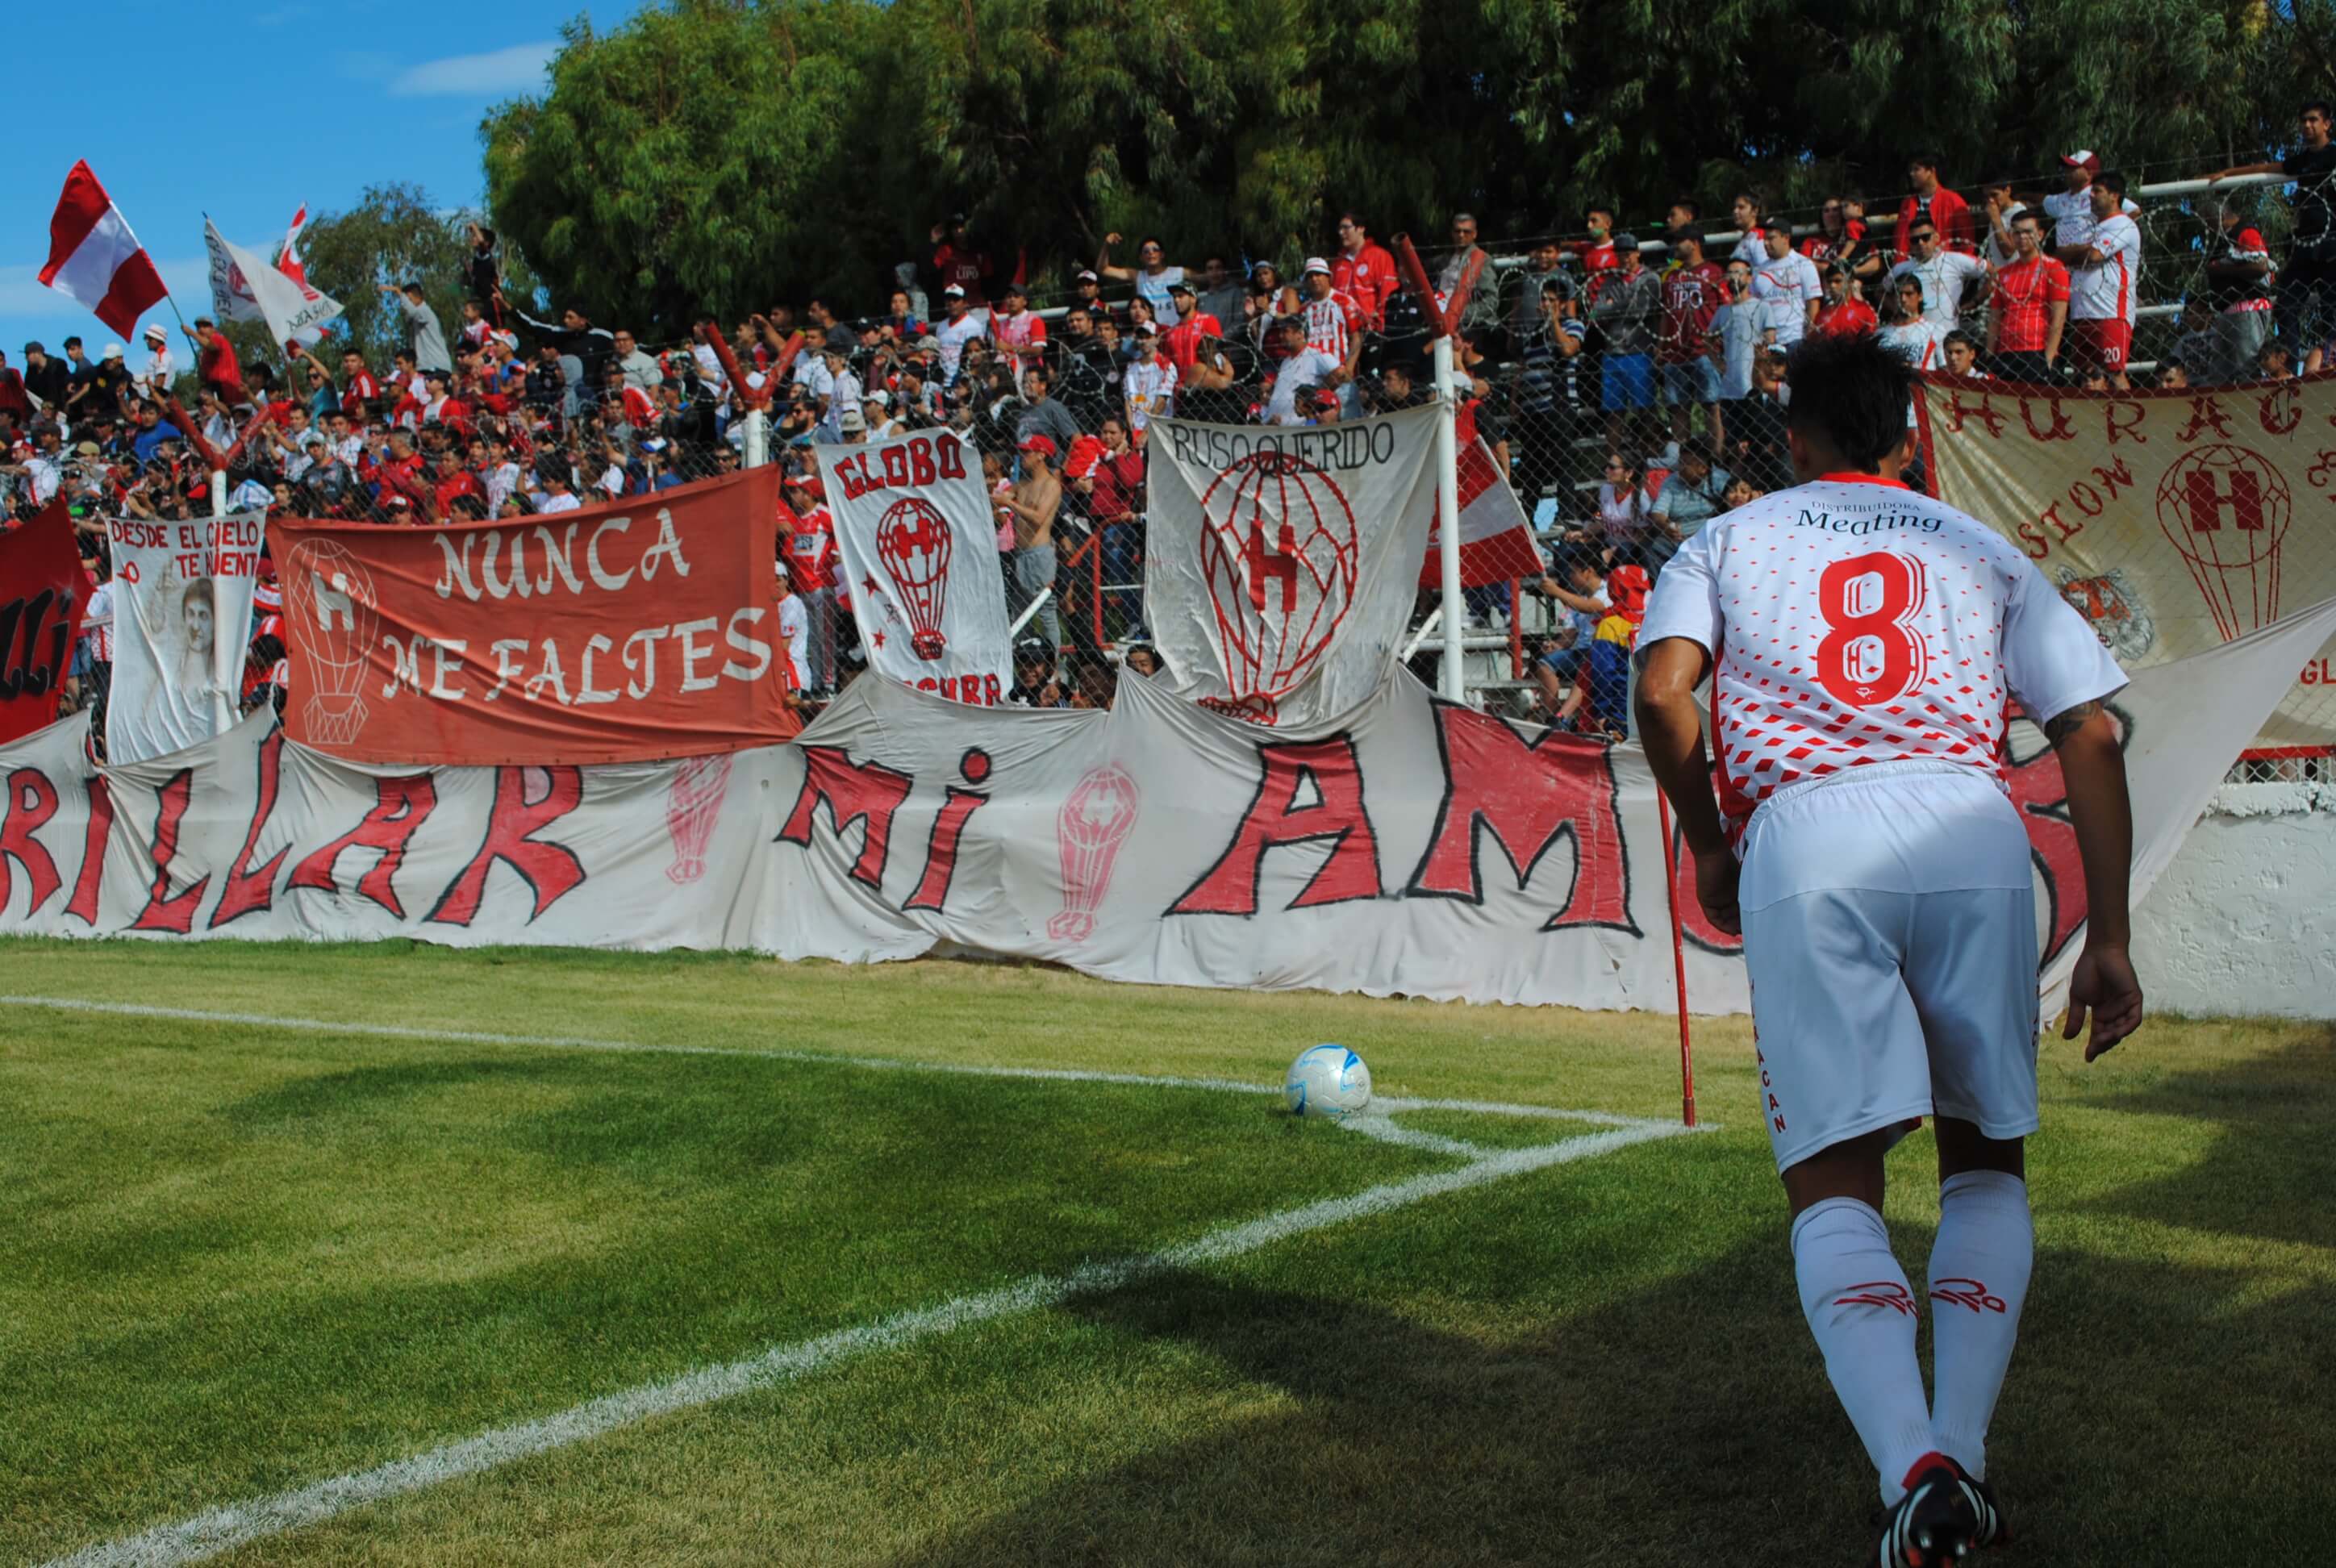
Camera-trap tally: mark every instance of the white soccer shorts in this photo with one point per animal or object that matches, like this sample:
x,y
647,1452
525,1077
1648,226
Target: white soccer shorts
x,y
1889,933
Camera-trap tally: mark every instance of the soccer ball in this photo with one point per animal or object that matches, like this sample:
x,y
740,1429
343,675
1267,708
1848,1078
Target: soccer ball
x,y
1327,1081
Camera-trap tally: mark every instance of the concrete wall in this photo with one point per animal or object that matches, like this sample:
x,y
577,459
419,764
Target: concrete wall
x,y
2244,920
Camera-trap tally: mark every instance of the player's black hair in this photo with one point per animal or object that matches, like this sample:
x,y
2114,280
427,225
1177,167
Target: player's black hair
x,y
1850,391
2316,106
2111,181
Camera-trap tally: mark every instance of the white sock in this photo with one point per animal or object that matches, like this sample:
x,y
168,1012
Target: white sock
x,y
1859,1306
1979,1279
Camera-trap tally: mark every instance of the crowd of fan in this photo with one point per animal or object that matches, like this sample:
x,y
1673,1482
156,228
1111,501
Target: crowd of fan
x,y
1660,365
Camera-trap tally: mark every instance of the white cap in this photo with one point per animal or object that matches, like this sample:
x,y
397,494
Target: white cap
x,y
880,397
155,333
953,289
1314,264
113,351
2084,158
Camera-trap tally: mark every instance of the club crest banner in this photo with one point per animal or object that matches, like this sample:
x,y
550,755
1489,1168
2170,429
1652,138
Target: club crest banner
x,y
2174,522
181,617
42,592
1279,564
644,628
1406,846
920,551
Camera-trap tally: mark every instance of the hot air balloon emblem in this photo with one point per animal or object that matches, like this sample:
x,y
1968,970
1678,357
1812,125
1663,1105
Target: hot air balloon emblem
x,y
332,613
913,543
693,804
1279,555
2226,510
1095,820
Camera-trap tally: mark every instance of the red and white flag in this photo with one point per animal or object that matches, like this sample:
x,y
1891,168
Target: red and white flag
x,y
288,263
94,258
1496,541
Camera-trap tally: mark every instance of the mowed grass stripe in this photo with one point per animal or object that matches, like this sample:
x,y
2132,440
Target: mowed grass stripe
x,y
221,1529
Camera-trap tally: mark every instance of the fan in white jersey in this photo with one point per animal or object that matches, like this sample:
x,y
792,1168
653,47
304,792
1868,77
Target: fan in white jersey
x,y
1864,644
2104,272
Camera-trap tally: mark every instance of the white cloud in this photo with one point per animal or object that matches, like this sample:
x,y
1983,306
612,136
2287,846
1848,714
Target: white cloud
x,y
512,70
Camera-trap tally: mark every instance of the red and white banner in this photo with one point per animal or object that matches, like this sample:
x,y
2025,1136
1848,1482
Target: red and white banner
x,y
1405,845
1496,541
181,619
45,591
2174,522
1279,563
921,557
643,628
95,259
288,263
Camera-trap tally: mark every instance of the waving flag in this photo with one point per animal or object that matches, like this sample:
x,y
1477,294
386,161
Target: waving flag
x,y
94,258
288,263
1496,541
245,289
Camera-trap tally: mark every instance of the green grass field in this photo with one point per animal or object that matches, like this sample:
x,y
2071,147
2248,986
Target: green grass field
x,y
956,1318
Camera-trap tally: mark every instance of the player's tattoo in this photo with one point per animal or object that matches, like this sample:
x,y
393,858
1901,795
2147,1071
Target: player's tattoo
x,y
2063,725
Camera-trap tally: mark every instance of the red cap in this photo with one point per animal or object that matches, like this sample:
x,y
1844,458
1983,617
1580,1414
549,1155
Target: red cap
x,y
2089,162
809,483
1043,446
270,626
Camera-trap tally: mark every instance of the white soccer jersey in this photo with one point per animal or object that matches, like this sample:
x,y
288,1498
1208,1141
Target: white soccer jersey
x,y
1787,285
2105,293
1853,621
2071,213
1944,278
952,336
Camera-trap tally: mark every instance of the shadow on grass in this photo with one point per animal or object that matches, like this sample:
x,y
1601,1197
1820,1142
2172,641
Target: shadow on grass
x,y
2272,1169
2157,1413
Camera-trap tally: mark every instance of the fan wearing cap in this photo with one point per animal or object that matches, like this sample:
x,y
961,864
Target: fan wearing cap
x,y
1033,502
1335,318
161,365
1034,675
1021,334
959,326
2070,207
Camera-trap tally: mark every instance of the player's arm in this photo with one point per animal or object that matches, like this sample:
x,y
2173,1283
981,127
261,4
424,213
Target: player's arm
x,y
1670,730
2093,769
2056,322
1103,261
2078,256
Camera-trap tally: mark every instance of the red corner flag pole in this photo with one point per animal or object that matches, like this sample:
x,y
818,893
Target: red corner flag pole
x,y
1679,961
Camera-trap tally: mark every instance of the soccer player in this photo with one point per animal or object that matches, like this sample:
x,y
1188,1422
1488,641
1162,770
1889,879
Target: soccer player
x,y
1865,643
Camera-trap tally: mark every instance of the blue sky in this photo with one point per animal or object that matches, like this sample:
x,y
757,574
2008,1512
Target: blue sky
x,y
300,100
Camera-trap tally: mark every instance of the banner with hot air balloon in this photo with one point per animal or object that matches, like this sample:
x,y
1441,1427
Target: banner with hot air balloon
x,y
920,551
1279,564
2174,522
642,628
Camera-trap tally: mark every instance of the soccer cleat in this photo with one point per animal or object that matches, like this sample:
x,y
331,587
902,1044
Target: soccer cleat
x,y
1935,1524
1994,1529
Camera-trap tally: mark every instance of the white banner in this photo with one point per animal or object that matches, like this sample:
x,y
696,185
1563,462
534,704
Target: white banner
x,y
1407,846
244,287
1279,564
920,555
181,617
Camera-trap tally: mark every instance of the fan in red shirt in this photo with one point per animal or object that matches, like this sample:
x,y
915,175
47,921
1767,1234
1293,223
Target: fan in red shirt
x,y
1597,252
1837,230
215,362
1950,212
1841,311
360,393
961,264
807,536
2029,306
1363,270
1182,342
450,481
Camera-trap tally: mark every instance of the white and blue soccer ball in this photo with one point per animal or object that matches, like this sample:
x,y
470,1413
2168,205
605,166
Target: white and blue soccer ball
x,y
1327,1081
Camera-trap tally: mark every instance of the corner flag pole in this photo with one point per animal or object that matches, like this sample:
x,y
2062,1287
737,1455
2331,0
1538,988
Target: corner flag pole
x,y
1452,676
1679,961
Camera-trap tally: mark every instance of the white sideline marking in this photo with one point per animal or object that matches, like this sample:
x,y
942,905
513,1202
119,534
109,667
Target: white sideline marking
x,y
223,1529
1386,1105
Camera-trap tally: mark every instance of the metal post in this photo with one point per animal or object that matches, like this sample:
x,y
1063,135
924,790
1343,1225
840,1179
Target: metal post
x,y
1447,515
227,643
758,437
